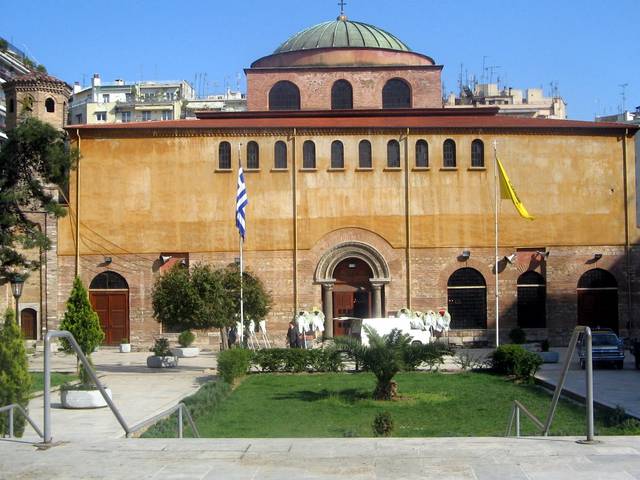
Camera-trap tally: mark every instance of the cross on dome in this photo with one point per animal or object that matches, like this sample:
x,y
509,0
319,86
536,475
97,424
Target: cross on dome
x,y
342,16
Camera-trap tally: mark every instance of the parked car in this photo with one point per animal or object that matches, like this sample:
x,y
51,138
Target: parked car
x,y
606,348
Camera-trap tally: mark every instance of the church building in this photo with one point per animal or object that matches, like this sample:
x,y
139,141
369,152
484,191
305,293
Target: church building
x,y
365,196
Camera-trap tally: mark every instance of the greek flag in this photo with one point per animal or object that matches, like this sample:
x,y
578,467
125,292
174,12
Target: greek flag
x,y
241,203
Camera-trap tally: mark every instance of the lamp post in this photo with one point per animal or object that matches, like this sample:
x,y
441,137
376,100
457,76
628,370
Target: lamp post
x,y
17,282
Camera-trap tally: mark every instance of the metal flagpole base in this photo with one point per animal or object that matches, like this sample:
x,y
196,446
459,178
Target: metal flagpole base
x,y
588,442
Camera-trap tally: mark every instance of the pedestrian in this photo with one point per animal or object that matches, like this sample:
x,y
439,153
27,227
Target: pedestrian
x,y
293,336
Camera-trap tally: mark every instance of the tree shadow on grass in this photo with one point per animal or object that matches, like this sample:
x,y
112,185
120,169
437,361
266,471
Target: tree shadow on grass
x,y
348,395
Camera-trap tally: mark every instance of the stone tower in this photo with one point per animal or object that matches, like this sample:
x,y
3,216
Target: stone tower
x,y
38,95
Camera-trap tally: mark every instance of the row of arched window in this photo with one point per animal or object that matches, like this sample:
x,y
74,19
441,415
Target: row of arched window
x,y
28,102
285,95
365,159
467,298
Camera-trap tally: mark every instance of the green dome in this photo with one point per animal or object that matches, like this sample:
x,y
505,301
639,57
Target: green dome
x,y
342,33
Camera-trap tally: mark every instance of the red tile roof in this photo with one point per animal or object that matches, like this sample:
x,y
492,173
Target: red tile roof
x,y
484,118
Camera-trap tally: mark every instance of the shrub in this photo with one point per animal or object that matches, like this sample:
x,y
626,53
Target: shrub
x,y
81,320
417,354
382,425
297,360
518,336
161,348
234,363
515,360
186,338
325,360
201,403
15,380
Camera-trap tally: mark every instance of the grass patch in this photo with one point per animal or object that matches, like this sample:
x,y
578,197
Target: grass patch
x,y
340,404
37,380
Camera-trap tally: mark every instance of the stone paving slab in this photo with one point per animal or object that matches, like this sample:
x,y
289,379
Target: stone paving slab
x,y
616,458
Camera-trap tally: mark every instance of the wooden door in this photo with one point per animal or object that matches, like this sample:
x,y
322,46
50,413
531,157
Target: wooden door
x,y
113,310
29,324
343,303
598,308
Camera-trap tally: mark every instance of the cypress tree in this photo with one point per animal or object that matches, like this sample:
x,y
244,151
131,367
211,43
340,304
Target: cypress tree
x,y
15,381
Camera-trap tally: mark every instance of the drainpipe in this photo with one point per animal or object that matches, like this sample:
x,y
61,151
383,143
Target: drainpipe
x,y
295,222
626,230
407,218
77,269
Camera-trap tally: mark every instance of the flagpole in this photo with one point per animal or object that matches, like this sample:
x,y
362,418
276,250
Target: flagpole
x,y
241,238
496,199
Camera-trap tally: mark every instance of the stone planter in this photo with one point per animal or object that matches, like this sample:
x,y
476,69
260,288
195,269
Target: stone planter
x,y
154,361
83,398
185,352
125,348
549,357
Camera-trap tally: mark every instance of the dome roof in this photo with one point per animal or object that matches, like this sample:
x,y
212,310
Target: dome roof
x,y
342,33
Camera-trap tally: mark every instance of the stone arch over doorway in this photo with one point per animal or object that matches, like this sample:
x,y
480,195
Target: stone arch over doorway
x,y
364,257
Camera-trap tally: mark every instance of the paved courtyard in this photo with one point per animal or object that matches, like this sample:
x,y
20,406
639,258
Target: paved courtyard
x,y
90,444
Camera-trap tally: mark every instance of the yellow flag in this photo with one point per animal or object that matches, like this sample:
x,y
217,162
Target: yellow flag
x,y
508,192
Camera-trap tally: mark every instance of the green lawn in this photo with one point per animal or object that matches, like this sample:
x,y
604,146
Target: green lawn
x,y
37,380
338,405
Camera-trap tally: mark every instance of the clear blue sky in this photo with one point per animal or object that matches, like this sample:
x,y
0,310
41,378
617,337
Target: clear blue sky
x,y
588,47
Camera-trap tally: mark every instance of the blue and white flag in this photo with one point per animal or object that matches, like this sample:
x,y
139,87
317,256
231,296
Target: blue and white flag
x,y
241,203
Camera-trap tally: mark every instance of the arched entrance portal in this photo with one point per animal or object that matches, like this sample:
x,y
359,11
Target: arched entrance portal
x,y
351,292
29,324
109,295
598,299
357,272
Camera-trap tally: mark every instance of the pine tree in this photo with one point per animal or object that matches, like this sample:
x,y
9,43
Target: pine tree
x,y
15,381
83,322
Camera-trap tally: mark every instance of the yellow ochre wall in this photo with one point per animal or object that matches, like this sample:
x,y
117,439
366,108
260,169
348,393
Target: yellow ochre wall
x,y
149,194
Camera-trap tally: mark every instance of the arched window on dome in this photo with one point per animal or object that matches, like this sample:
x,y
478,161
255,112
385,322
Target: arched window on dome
x,y
280,155
253,156
224,156
396,94
309,154
477,153
393,154
422,154
284,95
337,154
364,154
50,105
341,96
449,153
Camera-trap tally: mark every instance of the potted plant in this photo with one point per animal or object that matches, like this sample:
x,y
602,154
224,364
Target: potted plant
x,y
546,355
162,356
125,346
185,350
82,321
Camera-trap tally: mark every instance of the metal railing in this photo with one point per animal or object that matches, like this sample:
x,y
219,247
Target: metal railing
x,y
89,369
10,411
182,410
545,427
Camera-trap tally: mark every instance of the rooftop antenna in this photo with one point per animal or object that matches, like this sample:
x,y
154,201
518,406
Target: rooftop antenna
x,y
492,69
482,75
623,94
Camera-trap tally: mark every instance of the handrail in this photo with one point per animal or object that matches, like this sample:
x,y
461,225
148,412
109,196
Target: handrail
x,y
181,407
545,427
10,409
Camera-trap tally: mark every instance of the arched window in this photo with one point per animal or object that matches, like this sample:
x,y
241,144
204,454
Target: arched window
x,y
449,153
337,154
308,154
477,153
341,95
467,298
108,281
253,155
364,154
284,95
396,94
598,299
224,156
280,155
532,298
50,105
422,154
393,154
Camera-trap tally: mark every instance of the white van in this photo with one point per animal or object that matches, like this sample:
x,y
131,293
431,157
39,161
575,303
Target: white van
x,y
383,326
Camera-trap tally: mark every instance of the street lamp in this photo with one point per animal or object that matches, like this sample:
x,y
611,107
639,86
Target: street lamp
x,y
17,282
